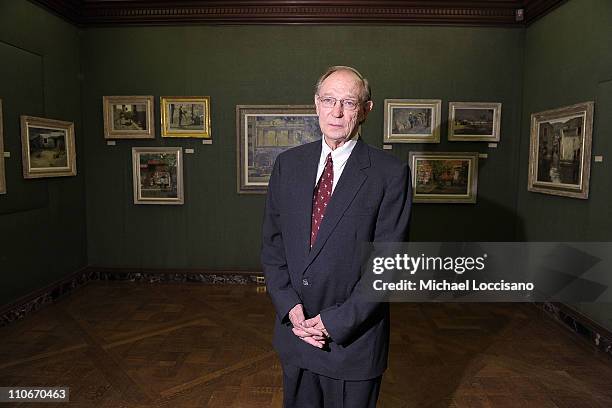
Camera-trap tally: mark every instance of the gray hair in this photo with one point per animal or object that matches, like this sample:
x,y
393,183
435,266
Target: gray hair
x,y
365,94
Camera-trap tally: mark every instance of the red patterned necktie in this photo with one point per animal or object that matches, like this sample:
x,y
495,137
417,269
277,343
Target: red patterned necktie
x,y
321,196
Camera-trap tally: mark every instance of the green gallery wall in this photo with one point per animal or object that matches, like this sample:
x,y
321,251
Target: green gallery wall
x,y
218,228
42,222
527,69
568,60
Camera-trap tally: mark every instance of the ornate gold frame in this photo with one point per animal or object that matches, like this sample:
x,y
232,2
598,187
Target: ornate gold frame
x,y
164,103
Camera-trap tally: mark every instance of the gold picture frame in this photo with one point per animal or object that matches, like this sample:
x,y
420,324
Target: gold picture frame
x,y
560,151
412,120
444,177
474,121
2,169
47,147
185,116
157,175
128,117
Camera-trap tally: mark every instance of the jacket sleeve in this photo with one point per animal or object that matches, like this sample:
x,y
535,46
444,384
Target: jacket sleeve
x,y
342,321
273,258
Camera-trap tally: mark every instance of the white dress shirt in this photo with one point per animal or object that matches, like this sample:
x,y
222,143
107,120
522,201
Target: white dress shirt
x,y
339,158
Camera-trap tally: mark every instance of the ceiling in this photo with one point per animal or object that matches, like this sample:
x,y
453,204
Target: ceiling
x,y
87,13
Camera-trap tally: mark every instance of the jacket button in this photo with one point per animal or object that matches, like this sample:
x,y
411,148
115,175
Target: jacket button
x,y
305,282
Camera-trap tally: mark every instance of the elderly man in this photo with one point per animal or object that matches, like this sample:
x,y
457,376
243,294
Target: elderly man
x,y
324,199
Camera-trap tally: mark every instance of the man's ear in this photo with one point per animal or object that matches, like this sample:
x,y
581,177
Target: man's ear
x,y
367,107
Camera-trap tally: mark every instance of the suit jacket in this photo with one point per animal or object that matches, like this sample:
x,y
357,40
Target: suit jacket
x,y
371,202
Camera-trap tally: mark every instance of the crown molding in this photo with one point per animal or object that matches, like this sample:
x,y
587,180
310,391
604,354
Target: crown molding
x,y
87,13
535,9
70,10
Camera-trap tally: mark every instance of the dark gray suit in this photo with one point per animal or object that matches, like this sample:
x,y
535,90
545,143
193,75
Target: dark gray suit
x,y
371,202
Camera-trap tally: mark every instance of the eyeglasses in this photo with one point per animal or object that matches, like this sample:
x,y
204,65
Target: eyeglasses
x,y
347,104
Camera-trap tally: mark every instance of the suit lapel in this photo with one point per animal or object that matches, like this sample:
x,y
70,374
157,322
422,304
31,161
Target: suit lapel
x,y
309,165
349,184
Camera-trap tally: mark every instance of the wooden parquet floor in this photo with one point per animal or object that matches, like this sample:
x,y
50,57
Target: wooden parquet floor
x,y
121,344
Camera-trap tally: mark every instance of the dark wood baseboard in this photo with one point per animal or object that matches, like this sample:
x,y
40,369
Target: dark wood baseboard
x,y
36,299
599,336
163,271
33,301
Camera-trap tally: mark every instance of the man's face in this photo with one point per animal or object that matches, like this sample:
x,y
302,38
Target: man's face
x,y
339,124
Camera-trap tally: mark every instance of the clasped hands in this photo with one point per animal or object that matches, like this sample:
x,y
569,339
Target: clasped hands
x,y
312,331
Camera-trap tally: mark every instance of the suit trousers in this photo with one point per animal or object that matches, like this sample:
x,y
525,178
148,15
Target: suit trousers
x,y
304,389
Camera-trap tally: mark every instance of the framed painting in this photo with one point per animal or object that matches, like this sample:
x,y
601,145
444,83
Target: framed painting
x,y
560,151
474,121
47,147
157,174
412,120
185,116
128,117
444,177
263,132
2,170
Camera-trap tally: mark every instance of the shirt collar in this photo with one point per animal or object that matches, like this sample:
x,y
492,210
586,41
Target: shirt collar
x,y
342,153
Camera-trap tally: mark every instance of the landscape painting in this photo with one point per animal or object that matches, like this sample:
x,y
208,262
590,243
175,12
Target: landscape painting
x,y
157,175
47,147
560,149
474,121
412,120
444,177
128,117
266,131
186,116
